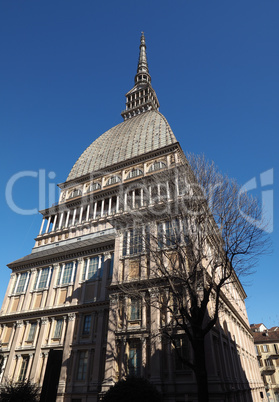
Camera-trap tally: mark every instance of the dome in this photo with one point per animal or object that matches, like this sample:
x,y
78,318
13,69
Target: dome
x,y
133,137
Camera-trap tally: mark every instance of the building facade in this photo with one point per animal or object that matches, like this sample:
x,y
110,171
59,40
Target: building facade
x,y
63,324
267,350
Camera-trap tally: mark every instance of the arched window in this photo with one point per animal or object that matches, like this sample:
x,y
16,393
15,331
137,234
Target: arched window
x,y
75,193
113,180
94,187
157,166
134,173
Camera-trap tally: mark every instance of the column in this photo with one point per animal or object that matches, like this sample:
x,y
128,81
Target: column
x,y
80,214
40,341
17,280
102,207
98,349
83,286
87,212
62,273
54,223
66,349
42,226
30,361
45,356
67,219
111,347
143,356
159,192
48,223
143,312
141,197
156,346
36,333
61,220
74,217
109,207
125,201
122,368
168,190
49,276
73,271
51,330
18,361
107,259
25,333
7,297
51,292
95,210
133,199
13,343
75,293
150,194
176,186
63,329
117,203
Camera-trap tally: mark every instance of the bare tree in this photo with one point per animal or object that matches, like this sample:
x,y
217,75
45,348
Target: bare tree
x,y
197,235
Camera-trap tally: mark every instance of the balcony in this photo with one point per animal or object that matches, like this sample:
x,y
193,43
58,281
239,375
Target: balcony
x,y
268,368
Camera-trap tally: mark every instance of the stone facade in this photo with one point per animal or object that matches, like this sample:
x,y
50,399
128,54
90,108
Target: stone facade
x,y
62,318
267,350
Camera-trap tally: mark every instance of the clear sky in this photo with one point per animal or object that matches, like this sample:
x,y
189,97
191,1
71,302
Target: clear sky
x,y
65,66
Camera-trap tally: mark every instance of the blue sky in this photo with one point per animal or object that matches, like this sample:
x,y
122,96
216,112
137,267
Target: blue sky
x,y
66,66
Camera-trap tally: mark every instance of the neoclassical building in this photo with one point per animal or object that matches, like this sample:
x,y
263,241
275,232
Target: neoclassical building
x,y
64,324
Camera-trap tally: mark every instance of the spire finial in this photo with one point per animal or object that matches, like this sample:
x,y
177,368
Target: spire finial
x,y
142,97
142,63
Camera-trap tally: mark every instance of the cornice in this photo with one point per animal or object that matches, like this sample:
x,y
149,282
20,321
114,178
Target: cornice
x,y
61,257
52,311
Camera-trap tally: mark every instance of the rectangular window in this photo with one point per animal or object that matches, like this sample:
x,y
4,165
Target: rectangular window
x,y
58,329
135,309
93,268
82,365
168,233
265,348
23,368
132,242
42,278
21,283
181,350
135,241
86,325
67,274
134,359
32,331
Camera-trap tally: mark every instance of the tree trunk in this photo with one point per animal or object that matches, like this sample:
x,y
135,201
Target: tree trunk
x,y
200,370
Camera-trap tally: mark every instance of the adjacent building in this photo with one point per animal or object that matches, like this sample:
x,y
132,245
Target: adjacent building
x,y
267,350
63,324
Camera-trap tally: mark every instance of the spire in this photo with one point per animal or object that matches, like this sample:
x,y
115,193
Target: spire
x,y
142,96
142,64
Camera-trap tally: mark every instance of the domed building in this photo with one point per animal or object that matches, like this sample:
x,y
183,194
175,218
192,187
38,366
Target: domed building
x,y
71,321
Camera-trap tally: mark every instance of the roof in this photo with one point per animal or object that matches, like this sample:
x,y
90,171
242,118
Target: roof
x,y
266,336
65,248
146,132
